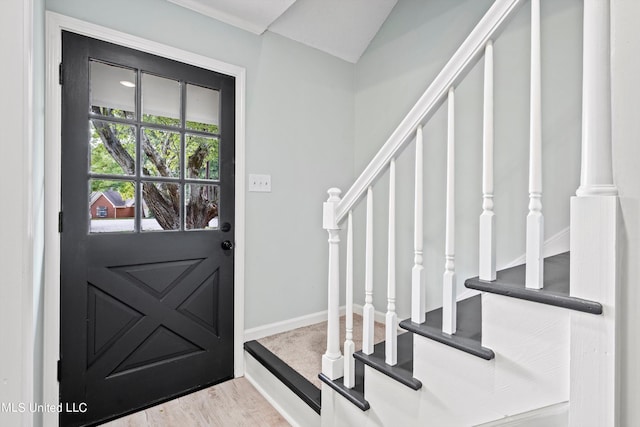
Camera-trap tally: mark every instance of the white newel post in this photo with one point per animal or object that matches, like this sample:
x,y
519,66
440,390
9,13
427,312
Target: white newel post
x,y
487,252
594,384
535,221
332,363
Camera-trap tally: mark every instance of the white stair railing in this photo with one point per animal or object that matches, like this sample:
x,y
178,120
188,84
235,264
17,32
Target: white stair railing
x,y
336,209
594,214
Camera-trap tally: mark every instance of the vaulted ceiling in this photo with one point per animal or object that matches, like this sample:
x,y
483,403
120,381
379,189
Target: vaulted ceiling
x,y
343,28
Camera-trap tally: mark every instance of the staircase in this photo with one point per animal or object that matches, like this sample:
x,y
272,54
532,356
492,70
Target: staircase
x,y
529,345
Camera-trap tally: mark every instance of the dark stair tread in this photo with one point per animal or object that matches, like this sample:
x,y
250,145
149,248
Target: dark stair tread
x,y
403,370
301,386
468,336
510,282
354,395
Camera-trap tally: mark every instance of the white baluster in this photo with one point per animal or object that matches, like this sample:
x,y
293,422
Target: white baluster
x,y
368,312
535,219
418,304
349,347
449,278
391,320
487,262
332,364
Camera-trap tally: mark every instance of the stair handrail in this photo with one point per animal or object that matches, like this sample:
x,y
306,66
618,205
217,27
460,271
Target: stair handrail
x,y
451,74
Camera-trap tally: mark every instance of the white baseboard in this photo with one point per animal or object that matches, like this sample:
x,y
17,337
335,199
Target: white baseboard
x,y
299,322
378,316
286,325
554,245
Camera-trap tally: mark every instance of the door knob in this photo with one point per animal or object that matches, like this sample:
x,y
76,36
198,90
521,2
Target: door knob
x,y
227,245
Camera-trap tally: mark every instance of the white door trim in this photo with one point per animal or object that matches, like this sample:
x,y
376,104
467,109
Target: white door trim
x,y
55,23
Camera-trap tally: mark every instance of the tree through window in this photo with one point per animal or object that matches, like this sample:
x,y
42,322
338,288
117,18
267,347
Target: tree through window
x,y
178,156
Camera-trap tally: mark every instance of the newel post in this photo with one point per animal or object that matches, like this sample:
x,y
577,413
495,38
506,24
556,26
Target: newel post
x,y
594,384
332,362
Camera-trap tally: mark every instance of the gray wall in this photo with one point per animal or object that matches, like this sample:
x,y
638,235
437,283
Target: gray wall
x,y
299,126
413,45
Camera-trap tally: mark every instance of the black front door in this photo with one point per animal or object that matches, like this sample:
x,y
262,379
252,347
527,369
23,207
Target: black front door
x,y
147,229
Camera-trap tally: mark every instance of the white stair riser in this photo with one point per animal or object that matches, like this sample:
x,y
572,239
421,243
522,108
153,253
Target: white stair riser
x,y
285,401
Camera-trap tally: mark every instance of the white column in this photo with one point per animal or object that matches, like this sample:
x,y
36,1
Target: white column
x,y
332,364
596,176
391,319
487,249
349,347
368,311
535,219
418,291
594,382
449,277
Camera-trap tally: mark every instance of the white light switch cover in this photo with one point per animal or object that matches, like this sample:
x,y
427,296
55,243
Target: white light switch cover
x,y
260,183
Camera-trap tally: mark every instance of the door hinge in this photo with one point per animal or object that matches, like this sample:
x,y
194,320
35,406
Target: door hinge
x,y
59,373
60,222
60,76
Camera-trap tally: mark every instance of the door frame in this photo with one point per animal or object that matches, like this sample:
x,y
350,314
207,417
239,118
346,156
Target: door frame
x,y
55,24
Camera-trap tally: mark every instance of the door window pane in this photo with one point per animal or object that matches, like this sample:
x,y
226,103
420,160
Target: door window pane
x,y
111,206
160,100
112,148
203,109
161,153
161,206
112,90
202,204
202,157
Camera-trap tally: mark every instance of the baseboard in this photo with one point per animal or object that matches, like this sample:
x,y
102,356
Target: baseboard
x,y
378,316
550,416
554,245
286,325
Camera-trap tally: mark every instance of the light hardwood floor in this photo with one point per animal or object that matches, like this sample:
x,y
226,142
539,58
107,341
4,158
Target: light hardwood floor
x,y
232,403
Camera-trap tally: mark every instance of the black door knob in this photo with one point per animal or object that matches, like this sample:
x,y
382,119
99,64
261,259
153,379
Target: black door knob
x,y
227,245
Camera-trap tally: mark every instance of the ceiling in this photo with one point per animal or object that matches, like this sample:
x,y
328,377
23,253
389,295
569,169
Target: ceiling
x,y
342,28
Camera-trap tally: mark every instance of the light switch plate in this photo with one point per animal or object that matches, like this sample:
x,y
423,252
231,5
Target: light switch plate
x,y
260,183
